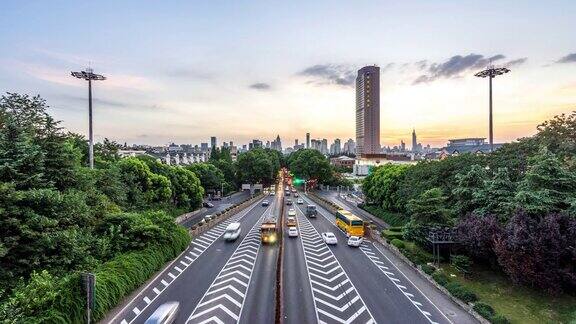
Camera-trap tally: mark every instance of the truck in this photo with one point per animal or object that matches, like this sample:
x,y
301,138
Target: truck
x,y
311,211
268,232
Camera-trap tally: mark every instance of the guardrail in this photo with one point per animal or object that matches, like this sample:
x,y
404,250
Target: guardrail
x,y
196,230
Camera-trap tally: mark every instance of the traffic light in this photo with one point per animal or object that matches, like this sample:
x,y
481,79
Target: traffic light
x,y
297,181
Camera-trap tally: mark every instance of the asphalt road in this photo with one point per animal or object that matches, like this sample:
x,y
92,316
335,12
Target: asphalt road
x,y
222,282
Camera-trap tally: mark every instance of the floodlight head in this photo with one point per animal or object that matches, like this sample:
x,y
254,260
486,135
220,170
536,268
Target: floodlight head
x,y
88,75
492,72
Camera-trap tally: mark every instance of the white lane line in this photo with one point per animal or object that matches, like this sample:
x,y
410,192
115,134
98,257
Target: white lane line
x,y
189,258
237,216
156,291
136,311
171,275
146,300
394,265
184,263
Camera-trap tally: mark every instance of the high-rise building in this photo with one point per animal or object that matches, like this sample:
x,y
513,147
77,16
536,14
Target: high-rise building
x,y
349,147
307,140
414,141
213,142
204,147
368,110
295,143
324,147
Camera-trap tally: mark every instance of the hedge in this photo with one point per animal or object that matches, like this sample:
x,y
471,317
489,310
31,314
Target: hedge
x,y
484,309
392,219
50,299
391,235
429,270
461,292
398,243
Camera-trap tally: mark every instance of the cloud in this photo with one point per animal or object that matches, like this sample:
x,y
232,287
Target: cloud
x,y
339,74
96,101
570,58
516,62
454,67
260,86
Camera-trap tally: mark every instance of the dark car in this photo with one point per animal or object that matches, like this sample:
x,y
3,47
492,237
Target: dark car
x,y
288,201
265,203
208,204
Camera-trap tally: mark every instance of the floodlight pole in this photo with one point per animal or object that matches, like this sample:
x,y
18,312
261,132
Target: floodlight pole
x,y
491,72
89,75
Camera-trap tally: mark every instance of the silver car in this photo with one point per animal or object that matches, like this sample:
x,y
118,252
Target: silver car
x,y
165,314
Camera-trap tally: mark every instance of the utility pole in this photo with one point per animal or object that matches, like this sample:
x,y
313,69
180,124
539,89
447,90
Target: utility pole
x,y
89,75
491,72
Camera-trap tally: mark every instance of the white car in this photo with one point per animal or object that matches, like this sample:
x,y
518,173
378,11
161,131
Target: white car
x,y
329,238
164,314
291,212
300,201
292,231
272,193
355,241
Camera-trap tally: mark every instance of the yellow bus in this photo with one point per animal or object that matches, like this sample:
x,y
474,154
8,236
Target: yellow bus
x,y
351,224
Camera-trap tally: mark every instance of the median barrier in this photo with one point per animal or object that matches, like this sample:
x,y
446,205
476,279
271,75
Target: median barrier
x,y
223,215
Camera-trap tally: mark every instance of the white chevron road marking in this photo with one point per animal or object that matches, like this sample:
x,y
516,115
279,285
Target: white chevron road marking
x,y
225,296
340,309
212,319
224,308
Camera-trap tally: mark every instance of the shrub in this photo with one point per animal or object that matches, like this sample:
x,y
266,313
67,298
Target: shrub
x,y
461,263
428,269
440,278
391,235
484,309
398,243
461,292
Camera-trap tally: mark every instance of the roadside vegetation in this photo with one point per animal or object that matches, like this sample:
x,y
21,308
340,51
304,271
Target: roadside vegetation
x,y
513,213
59,219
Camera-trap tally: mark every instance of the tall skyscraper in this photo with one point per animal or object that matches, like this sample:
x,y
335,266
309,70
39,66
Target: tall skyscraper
x,y
368,110
414,141
295,143
307,140
213,142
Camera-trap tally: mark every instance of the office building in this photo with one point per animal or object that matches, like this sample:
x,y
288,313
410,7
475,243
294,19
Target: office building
x,y
213,142
307,140
368,110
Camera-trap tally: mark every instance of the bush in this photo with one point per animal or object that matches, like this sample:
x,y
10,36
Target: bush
x,y
391,235
391,218
462,263
398,243
428,269
484,309
461,292
440,278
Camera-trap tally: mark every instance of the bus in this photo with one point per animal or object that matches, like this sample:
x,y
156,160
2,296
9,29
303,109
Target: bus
x,y
268,232
349,223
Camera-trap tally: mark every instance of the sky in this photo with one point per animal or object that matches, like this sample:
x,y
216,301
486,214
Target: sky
x,y
182,71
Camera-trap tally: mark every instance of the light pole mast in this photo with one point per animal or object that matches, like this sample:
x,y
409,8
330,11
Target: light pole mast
x,y
89,75
491,72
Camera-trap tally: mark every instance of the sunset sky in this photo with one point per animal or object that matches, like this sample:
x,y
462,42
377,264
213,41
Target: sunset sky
x,y
182,71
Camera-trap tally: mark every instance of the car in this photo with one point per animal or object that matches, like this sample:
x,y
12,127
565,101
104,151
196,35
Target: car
x,y
291,221
208,204
355,241
329,238
296,195
164,314
208,218
287,193
292,231
216,197
265,203
232,231
272,193
289,202
300,201
311,211
291,212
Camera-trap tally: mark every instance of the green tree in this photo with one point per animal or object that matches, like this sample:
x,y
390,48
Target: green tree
x,y
467,185
381,186
429,208
258,166
547,187
145,187
310,164
497,196
210,176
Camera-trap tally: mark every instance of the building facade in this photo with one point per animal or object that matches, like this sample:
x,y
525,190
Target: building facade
x,y
368,110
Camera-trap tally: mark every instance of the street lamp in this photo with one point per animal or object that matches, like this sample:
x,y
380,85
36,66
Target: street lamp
x,y
491,72
89,75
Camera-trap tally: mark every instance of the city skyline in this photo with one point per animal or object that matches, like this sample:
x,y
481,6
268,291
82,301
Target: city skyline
x,y
189,79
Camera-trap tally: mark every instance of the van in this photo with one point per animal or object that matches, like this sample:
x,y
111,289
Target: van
x,y
165,314
311,211
232,232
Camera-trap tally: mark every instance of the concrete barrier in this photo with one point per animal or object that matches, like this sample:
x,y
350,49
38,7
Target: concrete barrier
x,y
197,230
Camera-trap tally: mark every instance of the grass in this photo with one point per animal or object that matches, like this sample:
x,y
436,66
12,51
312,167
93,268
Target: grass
x,y
518,304
391,218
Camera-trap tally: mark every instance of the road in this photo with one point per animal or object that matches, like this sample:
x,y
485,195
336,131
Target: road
x,y
219,282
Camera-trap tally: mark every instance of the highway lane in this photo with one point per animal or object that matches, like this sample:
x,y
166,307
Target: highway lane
x,y
298,302
189,276
219,205
260,303
390,297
